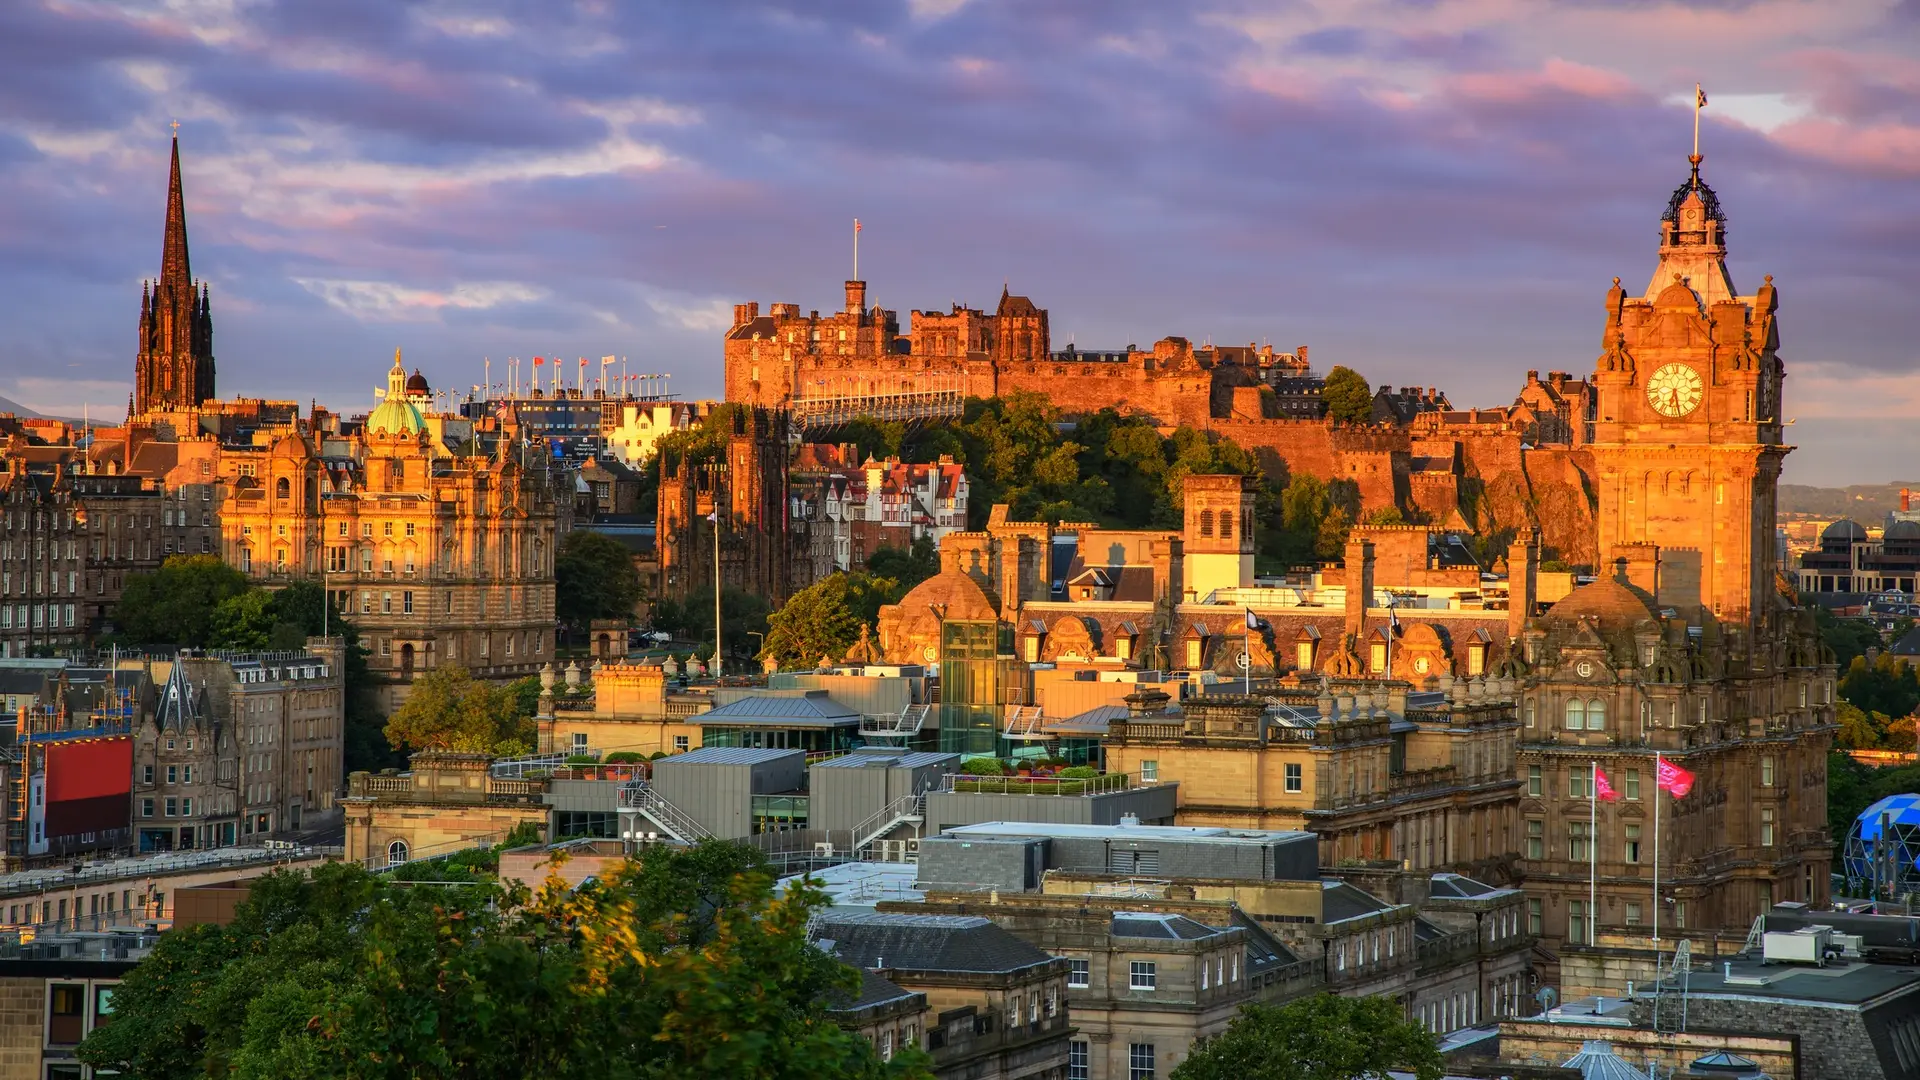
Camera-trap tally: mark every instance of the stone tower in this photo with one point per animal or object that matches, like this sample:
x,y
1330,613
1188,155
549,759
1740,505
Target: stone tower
x,y
1218,533
1687,433
174,369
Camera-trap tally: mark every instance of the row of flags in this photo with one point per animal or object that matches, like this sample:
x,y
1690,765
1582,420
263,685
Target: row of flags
x,y
1669,777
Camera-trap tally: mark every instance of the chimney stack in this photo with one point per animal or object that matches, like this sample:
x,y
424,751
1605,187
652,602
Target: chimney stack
x,y
856,297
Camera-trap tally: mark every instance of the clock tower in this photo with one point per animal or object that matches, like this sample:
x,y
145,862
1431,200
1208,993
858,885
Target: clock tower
x,y
1686,423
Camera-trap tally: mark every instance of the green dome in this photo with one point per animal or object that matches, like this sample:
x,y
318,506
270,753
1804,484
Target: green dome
x,y
396,415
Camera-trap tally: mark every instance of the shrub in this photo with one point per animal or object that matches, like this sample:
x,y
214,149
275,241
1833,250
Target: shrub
x,y
625,757
582,759
983,766
1079,772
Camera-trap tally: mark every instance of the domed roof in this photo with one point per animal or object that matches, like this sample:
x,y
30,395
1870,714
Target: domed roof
x,y
417,385
1696,188
396,415
1844,529
954,594
1903,810
1903,530
1612,603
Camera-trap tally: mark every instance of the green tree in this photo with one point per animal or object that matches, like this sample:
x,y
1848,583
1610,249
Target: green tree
x,y
176,604
677,966
906,567
448,709
1848,638
817,621
1349,399
594,578
873,438
1888,684
1322,1037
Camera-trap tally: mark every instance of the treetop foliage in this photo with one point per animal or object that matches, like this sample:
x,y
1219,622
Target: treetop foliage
x,y
448,709
594,578
674,965
1322,1037
1349,399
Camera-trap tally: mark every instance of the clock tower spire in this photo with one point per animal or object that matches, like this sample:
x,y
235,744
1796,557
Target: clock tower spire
x,y
1687,435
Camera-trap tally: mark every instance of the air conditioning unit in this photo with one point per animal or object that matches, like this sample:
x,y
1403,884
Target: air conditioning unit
x,y
823,848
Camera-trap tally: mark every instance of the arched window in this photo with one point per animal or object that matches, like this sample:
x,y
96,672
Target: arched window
x,y
396,853
1206,523
1596,715
1226,525
1576,714
282,489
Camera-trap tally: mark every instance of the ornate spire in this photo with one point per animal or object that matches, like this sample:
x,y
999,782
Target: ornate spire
x,y
176,273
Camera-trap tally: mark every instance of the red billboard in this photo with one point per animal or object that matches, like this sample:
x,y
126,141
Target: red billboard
x,y
89,786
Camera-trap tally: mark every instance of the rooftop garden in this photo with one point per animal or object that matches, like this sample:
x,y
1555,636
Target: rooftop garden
x,y
1033,776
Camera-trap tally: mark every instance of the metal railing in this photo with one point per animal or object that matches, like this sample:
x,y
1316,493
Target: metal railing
x,y
904,726
961,783
680,825
1024,721
907,809
517,768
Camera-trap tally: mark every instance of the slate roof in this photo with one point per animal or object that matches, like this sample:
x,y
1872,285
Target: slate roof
x,y
727,755
1340,901
781,708
1137,924
925,943
911,759
1458,886
875,989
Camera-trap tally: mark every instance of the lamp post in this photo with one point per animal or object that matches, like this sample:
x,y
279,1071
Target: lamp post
x,y
716,585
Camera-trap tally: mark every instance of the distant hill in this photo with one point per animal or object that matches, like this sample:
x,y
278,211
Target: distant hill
x,y
1865,503
8,405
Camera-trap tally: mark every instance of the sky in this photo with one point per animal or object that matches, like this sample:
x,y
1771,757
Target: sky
x,y
1432,192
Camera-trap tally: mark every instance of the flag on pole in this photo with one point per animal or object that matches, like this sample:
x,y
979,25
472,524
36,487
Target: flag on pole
x,y
1602,787
1675,780
856,224
1699,97
1254,622
538,360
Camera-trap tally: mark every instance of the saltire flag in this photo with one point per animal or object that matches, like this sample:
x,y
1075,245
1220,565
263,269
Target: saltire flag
x,y
1254,622
1699,97
1675,780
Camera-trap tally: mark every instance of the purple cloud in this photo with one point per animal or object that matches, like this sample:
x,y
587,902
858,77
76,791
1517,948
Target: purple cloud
x,y
1426,195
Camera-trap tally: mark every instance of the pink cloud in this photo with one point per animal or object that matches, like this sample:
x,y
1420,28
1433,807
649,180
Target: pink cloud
x,y
1556,77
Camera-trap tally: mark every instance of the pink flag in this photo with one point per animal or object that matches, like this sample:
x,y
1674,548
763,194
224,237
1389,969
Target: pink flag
x,y
1675,780
1603,787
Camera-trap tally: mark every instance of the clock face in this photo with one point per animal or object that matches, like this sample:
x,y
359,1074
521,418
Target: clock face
x,y
1585,668
1674,390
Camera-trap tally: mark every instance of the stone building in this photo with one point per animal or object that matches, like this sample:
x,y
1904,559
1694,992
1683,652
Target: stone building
x,y
240,748
853,509
445,802
998,1004
1685,647
1850,562
744,495
436,534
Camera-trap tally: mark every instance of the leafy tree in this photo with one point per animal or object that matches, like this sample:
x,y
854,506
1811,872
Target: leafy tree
x,y
1848,638
176,604
1888,684
1859,730
817,621
1387,515
1349,399
743,613
1323,1037
677,966
906,566
873,438
594,578
448,709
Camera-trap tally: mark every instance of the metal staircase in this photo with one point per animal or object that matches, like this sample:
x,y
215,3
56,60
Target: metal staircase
x,y
905,810
1024,722
639,796
905,726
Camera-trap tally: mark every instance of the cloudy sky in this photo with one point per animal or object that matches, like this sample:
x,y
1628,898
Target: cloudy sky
x,y
1430,191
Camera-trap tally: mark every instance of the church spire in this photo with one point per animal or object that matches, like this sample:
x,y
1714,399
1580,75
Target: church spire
x,y
175,368
176,272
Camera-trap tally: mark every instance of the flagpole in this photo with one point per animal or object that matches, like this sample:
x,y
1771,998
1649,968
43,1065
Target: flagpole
x,y
1593,848
1697,95
1656,855
856,221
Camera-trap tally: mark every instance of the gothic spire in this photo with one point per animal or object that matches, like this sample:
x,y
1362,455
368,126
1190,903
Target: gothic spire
x,y
176,273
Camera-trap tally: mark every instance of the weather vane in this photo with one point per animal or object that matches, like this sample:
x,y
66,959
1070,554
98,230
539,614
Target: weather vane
x,y
176,128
